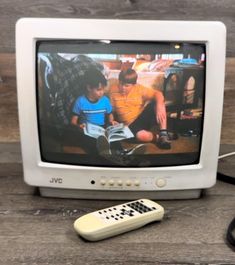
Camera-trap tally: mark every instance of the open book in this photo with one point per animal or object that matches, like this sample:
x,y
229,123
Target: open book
x,y
113,133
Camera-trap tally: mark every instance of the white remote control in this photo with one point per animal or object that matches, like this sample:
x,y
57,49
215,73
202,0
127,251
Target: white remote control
x,y
118,219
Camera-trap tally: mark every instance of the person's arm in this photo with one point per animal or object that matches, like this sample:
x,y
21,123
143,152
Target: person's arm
x,y
76,111
75,122
160,111
109,110
111,119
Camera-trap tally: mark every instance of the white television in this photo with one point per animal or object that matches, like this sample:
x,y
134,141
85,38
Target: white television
x,y
180,63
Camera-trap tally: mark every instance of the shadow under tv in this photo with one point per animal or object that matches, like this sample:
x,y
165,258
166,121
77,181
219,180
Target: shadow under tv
x,y
120,195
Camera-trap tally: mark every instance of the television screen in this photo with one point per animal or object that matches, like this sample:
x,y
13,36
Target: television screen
x,y
120,104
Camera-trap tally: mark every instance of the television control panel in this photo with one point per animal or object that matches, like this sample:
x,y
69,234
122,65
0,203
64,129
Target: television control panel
x,y
129,183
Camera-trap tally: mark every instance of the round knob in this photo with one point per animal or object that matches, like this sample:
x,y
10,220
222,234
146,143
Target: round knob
x,y
161,182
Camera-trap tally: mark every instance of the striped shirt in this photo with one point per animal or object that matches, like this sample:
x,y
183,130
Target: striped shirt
x,y
92,112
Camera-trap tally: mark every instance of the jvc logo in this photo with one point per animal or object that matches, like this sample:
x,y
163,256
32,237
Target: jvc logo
x,y
56,180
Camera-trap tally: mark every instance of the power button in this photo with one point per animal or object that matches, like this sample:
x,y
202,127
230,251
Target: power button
x,y
161,182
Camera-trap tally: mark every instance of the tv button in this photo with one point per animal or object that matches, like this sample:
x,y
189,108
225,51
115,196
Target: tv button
x,y
128,182
161,183
102,182
137,183
120,182
111,182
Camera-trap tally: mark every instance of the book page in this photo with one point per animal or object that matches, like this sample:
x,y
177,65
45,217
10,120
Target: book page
x,y
111,129
123,133
93,130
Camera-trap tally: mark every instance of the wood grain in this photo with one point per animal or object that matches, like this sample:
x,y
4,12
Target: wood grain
x,y
9,127
36,230
223,10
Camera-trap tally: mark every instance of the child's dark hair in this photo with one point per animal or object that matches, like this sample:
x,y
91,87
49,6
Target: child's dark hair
x,y
93,78
128,76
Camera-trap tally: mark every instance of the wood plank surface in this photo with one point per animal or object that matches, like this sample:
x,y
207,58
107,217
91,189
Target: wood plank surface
x,y
9,126
36,230
213,10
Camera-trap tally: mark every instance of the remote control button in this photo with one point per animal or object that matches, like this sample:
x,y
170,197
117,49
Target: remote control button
x,y
139,207
161,182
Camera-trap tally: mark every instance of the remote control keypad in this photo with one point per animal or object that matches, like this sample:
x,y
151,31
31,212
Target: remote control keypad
x,y
123,211
139,207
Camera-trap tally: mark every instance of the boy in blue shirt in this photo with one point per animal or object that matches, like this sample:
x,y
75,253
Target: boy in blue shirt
x,y
93,107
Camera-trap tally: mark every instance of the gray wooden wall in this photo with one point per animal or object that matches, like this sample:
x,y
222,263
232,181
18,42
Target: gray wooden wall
x,y
11,10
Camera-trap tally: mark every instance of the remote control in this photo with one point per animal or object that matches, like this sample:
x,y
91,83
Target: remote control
x,y
118,219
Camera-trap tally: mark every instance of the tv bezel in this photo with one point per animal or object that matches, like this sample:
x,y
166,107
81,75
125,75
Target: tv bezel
x,y
39,173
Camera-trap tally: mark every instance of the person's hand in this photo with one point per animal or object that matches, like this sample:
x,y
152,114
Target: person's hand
x,y
82,125
114,123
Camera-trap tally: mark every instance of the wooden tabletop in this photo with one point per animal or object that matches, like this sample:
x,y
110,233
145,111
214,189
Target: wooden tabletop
x,y
37,230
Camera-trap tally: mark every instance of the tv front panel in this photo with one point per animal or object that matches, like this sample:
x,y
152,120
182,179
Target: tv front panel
x,y
183,60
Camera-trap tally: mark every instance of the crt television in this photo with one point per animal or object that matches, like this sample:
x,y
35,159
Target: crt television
x,y
181,63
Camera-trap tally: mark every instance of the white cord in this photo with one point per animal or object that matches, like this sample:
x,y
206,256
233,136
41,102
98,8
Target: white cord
x,y
226,155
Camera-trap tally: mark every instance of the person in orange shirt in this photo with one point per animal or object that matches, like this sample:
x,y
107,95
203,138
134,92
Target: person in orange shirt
x,y
140,108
